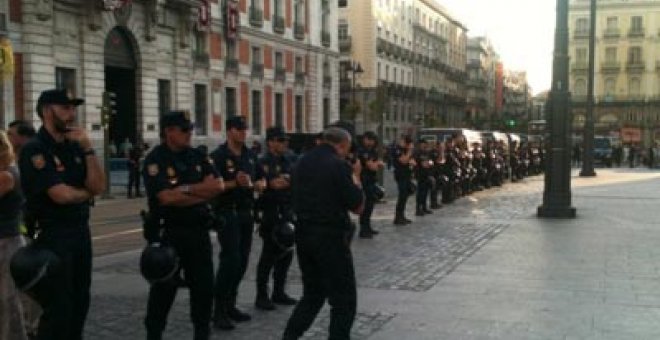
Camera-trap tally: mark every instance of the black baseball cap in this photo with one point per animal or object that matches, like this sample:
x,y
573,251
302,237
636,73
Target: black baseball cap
x,y
236,122
176,118
276,132
370,135
57,96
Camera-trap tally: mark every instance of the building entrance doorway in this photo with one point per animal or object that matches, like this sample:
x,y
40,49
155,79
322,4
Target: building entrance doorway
x,y
120,79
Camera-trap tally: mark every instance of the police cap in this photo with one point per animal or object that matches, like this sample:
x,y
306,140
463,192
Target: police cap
x,y
276,132
57,96
176,118
236,122
370,135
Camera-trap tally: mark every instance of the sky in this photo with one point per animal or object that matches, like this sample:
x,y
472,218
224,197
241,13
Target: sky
x,y
522,32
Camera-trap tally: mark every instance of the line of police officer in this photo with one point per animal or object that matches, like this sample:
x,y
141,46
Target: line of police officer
x,y
453,169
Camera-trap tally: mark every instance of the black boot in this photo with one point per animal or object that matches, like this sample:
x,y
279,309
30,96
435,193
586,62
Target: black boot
x,y
221,318
419,211
151,335
400,220
426,210
237,315
262,301
365,232
282,298
202,333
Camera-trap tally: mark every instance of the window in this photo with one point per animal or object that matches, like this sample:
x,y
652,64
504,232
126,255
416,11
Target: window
x,y
636,24
582,25
279,60
256,56
256,112
612,23
279,109
634,86
610,54
343,31
635,55
278,8
378,70
299,12
581,87
299,65
230,101
65,79
581,55
342,3
164,96
394,73
387,72
231,49
201,109
299,113
199,43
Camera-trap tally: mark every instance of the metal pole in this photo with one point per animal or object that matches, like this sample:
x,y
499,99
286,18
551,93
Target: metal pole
x,y
557,191
588,147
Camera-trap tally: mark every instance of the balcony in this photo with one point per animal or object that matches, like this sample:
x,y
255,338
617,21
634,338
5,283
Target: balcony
x,y
635,66
611,33
256,17
325,38
610,66
258,71
580,66
231,65
201,60
299,31
280,74
581,34
636,32
278,24
345,43
327,81
300,78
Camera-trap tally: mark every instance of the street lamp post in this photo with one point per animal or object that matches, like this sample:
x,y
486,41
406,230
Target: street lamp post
x,y
588,147
557,191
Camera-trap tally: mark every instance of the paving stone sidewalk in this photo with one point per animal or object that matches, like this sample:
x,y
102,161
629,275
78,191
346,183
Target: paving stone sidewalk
x,y
482,268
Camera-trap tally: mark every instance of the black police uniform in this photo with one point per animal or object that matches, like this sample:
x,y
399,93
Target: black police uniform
x,y
403,177
275,206
235,206
423,175
133,165
369,180
64,229
322,193
185,229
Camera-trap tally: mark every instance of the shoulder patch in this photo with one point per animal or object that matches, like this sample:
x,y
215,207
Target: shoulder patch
x,y
152,169
38,161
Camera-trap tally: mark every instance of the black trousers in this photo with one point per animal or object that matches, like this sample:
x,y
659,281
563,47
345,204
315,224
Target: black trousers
x,y
369,202
235,240
193,246
133,181
272,258
423,188
403,185
65,307
326,264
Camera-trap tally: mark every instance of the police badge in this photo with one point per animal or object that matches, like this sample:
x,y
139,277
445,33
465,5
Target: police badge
x,y
38,161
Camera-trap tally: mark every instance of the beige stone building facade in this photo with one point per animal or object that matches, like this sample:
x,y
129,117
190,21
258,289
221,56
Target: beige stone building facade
x,y
271,61
627,68
413,56
480,86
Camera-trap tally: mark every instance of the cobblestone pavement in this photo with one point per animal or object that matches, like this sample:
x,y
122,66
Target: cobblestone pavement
x,y
481,268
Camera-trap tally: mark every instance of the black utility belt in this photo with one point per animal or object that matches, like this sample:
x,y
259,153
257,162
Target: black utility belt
x,y
234,207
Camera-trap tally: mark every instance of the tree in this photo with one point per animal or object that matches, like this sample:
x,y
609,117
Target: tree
x,y
350,111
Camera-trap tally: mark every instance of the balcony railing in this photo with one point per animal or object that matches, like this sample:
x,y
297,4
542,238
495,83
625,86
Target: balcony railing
x,y
345,43
231,65
610,66
636,32
258,71
611,33
325,38
278,24
201,60
300,78
580,66
256,17
581,34
280,74
635,66
299,31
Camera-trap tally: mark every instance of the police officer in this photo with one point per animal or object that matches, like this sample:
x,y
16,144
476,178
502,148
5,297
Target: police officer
x,y
60,174
404,163
368,156
275,205
325,187
237,165
180,181
423,173
133,165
